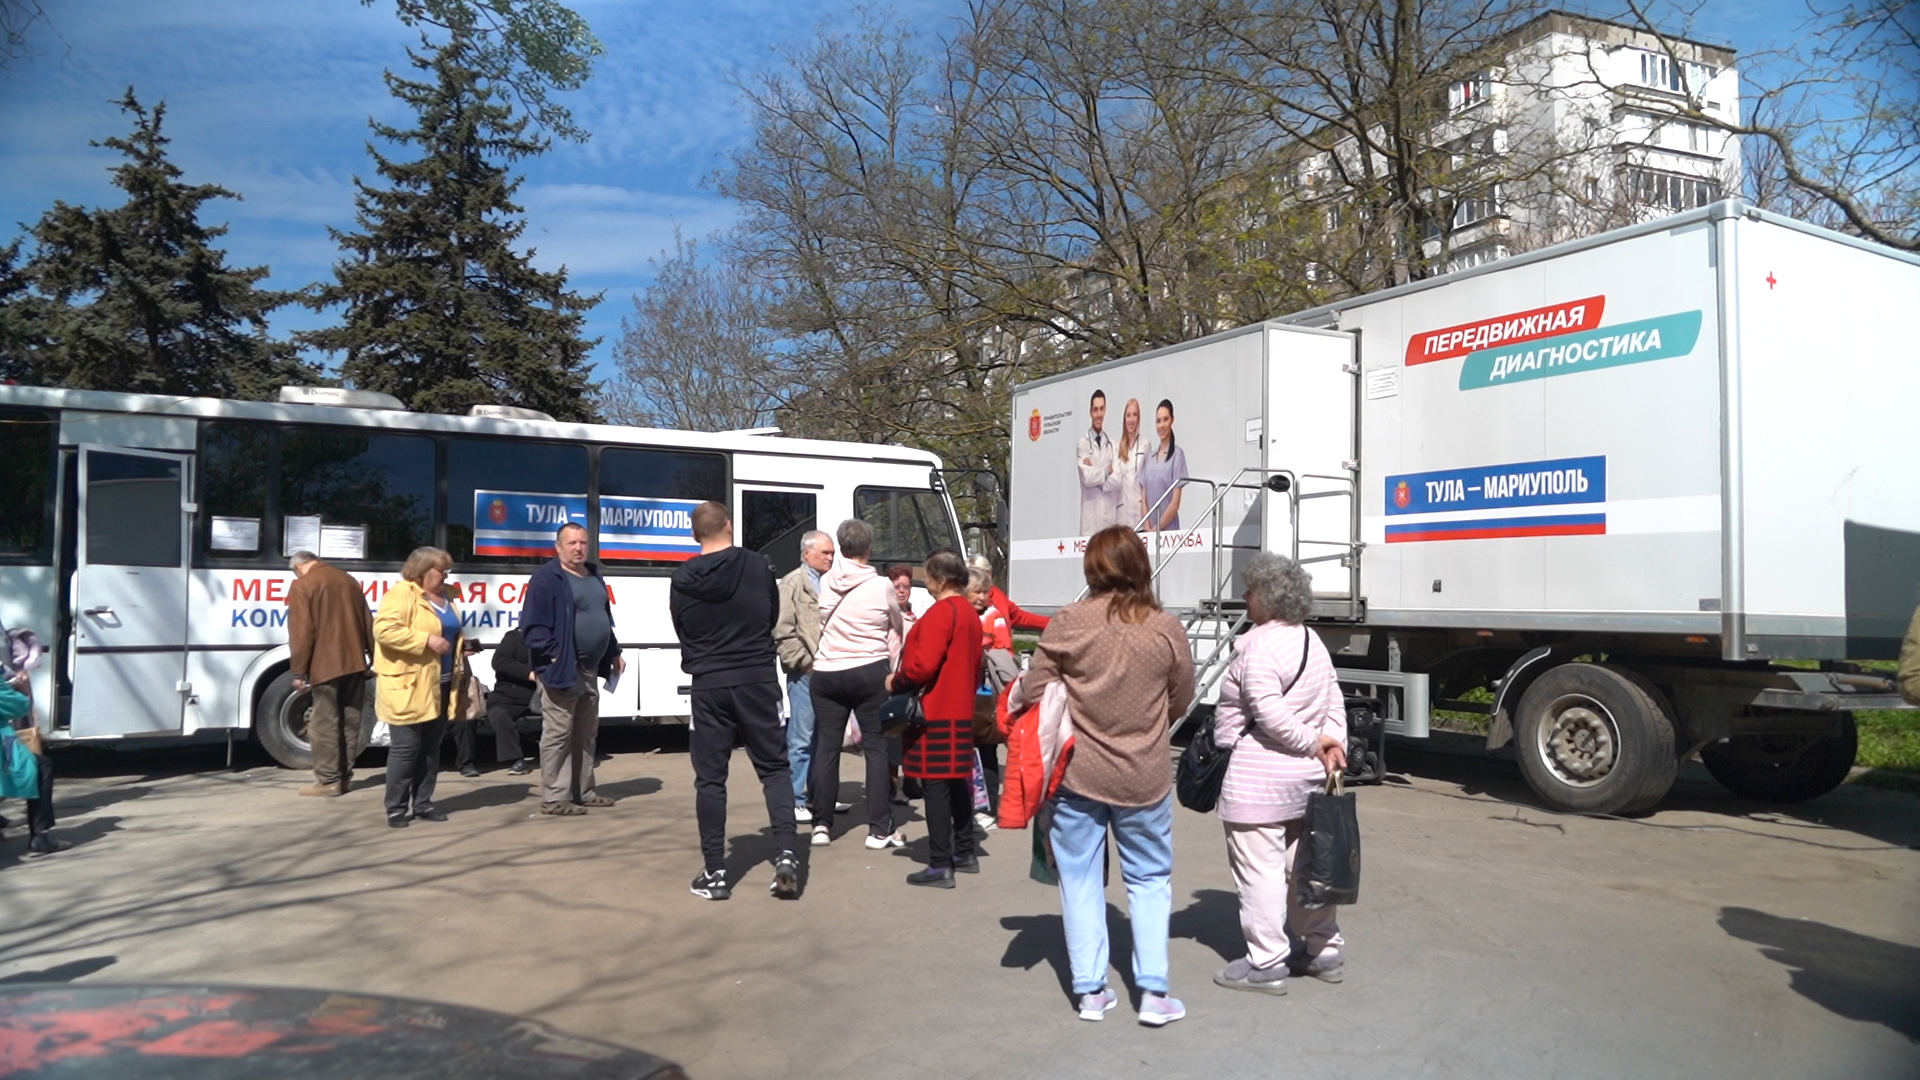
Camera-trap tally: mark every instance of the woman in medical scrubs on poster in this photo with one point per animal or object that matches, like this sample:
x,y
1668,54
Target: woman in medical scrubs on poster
x,y
1165,467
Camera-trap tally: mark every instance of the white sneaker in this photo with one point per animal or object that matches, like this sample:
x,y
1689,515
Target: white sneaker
x,y
842,807
986,822
821,838
891,840
802,814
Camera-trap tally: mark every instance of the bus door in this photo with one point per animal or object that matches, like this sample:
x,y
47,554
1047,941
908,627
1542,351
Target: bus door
x,y
130,592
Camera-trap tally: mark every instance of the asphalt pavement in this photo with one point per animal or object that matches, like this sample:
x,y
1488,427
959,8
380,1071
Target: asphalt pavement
x,y
1715,937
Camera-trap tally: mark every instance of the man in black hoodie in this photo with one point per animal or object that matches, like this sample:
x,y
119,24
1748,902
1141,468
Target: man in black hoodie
x,y
724,602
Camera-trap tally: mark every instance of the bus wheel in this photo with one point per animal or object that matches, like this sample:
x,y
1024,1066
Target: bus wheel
x,y
1784,768
280,723
1595,739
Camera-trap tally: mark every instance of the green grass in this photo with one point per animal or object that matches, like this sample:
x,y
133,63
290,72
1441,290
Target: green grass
x,y
1889,740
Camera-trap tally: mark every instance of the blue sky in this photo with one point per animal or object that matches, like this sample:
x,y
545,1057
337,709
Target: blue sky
x,y
270,99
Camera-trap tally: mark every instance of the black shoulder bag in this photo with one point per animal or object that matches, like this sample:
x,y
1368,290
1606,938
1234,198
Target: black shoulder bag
x,y
1203,764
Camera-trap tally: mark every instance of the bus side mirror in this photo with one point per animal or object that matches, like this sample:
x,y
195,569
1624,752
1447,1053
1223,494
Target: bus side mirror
x,y
1278,482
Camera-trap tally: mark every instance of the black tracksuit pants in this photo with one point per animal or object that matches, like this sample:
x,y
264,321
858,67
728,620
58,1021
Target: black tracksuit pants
x,y
723,718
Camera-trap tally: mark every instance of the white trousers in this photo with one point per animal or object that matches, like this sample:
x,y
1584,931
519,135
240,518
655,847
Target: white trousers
x,y
1262,858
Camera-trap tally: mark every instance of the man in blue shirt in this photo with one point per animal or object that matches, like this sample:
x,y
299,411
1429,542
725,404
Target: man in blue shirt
x,y
568,627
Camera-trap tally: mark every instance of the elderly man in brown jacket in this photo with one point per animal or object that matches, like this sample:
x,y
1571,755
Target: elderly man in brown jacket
x,y
330,631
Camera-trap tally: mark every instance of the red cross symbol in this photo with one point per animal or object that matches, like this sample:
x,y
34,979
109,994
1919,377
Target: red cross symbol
x,y
1063,547
1770,281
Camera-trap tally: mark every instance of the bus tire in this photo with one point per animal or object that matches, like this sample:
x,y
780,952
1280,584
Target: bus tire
x,y
1784,768
1594,739
280,723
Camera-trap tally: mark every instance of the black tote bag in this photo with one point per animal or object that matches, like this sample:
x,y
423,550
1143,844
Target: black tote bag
x,y
1202,767
1329,867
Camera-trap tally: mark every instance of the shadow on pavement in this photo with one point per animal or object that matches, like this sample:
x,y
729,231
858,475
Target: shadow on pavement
x,y
480,798
627,789
1037,939
1851,975
60,973
1213,920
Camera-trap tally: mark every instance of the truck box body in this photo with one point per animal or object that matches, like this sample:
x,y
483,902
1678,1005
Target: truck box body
x,y
1702,426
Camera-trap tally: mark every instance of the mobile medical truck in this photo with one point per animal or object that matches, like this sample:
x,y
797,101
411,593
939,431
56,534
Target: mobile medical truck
x,y
1614,482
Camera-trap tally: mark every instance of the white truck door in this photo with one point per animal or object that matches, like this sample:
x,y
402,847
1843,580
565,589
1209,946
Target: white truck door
x,y
1312,399
130,592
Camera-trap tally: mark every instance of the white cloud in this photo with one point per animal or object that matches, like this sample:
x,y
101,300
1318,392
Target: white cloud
x,y
596,229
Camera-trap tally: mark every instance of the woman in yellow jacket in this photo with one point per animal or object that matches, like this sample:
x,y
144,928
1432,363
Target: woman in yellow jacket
x,y
417,664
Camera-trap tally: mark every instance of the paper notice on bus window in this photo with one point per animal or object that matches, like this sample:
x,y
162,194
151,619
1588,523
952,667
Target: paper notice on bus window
x,y
234,534
343,542
302,534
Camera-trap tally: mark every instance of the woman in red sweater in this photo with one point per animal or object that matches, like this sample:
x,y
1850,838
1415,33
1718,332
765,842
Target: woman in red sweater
x,y
942,661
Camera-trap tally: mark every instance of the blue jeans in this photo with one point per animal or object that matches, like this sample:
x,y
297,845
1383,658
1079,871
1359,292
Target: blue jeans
x,y
1145,837
800,733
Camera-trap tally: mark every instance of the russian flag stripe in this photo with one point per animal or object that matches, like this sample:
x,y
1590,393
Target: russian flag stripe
x,y
1499,528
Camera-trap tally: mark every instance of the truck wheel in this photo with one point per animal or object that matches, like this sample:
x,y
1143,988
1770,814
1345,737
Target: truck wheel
x,y
1595,739
280,723
1784,768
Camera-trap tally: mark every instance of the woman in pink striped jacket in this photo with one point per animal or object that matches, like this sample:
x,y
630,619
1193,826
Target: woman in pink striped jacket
x,y
1280,693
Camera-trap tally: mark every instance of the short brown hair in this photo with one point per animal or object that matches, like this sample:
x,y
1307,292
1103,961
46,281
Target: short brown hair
x,y
1116,566
424,559
709,520
900,570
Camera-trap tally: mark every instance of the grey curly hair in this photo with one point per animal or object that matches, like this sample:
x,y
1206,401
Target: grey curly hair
x,y
1280,587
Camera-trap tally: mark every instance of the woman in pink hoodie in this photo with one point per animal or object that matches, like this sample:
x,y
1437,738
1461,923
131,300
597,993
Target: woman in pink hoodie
x,y
860,634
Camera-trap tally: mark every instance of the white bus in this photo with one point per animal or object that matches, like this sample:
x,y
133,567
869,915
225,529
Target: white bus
x,y
145,538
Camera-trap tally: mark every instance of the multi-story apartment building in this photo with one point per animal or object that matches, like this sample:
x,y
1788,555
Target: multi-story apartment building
x,y
1582,125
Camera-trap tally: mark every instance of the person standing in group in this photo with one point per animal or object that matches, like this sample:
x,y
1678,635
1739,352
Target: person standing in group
x,y
1000,668
860,631
330,634
796,636
511,698
1017,617
1130,500
724,603
941,660
25,770
417,664
1281,694
1094,452
1160,476
900,576
568,626
1128,673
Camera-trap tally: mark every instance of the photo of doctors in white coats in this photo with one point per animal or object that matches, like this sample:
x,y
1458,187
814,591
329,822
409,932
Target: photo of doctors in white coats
x,y
1127,479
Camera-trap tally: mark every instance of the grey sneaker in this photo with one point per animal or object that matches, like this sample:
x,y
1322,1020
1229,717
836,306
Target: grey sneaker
x,y
1241,975
1329,966
1159,1010
1096,1005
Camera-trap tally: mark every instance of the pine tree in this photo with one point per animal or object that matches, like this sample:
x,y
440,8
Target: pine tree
x,y
441,311
138,298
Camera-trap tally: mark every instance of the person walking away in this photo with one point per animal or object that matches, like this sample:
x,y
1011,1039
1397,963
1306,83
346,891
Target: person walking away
x,y
567,624
511,698
796,637
1280,691
860,632
330,634
25,770
941,661
724,603
1128,673
417,663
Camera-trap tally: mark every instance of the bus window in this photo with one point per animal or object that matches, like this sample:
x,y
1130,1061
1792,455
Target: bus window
x,y
27,441
234,458
507,497
774,522
908,525
133,510
647,499
372,494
